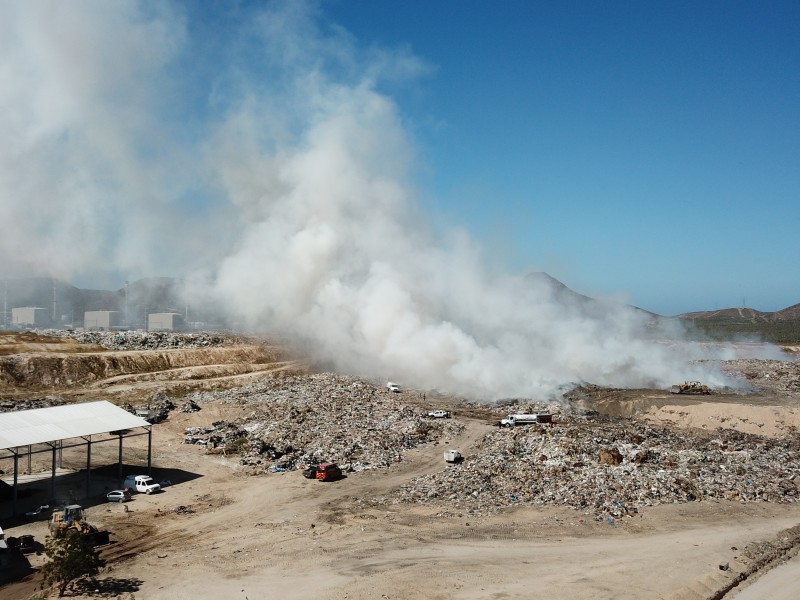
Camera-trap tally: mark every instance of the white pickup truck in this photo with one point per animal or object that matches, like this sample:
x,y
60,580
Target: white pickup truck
x,y
141,483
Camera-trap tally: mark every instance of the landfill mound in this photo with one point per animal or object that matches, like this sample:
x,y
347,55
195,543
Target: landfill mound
x,y
610,467
296,421
108,364
53,370
780,377
145,340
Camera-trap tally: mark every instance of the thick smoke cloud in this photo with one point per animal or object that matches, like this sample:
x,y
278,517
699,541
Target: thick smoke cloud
x,y
92,178
280,177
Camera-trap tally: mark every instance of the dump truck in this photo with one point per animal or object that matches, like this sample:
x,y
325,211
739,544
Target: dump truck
x,y
526,419
70,519
690,387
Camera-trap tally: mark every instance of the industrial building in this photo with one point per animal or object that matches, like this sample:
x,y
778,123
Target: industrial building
x,y
102,320
30,316
169,321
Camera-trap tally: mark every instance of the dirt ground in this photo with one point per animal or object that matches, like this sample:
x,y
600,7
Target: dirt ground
x,y
219,533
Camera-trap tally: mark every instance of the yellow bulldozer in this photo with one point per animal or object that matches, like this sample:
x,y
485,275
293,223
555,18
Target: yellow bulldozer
x,y
70,519
690,387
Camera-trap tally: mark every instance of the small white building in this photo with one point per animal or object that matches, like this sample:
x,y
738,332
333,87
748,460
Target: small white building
x,y
165,322
101,320
30,316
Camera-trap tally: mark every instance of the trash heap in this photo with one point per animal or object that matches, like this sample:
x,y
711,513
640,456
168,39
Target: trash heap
x,y
297,421
31,403
610,467
144,340
770,376
156,410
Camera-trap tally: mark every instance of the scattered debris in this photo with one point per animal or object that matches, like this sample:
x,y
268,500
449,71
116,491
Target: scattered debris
x,y
780,377
31,403
155,411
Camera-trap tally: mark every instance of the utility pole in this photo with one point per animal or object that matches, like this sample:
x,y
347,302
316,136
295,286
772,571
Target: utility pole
x,y
54,300
127,323
5,305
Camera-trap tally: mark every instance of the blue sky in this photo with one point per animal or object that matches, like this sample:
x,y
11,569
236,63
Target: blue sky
x,y
649,149
643,151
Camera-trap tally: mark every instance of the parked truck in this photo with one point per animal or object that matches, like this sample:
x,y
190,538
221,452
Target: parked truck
x,y
141,483
526,419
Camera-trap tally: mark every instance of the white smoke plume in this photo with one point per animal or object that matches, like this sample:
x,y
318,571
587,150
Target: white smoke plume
x,y
282,178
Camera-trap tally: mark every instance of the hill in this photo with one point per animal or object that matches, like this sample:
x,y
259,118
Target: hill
x,y
566,295
780,327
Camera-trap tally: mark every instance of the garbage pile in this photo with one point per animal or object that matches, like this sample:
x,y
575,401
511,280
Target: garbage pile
x,y
156,410
769,376
143,340
603,466
304,420
610,467
30,403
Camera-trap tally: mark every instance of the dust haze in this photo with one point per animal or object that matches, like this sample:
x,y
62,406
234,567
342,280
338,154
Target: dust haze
x,y
280,177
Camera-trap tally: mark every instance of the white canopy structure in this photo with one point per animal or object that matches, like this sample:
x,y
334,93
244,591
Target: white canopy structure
x,y
48,428
42,425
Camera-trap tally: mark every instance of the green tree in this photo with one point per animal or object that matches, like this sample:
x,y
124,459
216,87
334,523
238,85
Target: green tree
x,y
71,557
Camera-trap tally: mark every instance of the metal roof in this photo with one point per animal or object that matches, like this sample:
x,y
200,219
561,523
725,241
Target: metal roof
x,y
24,427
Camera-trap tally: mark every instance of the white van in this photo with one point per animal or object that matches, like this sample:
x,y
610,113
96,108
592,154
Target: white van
x,y
141,483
